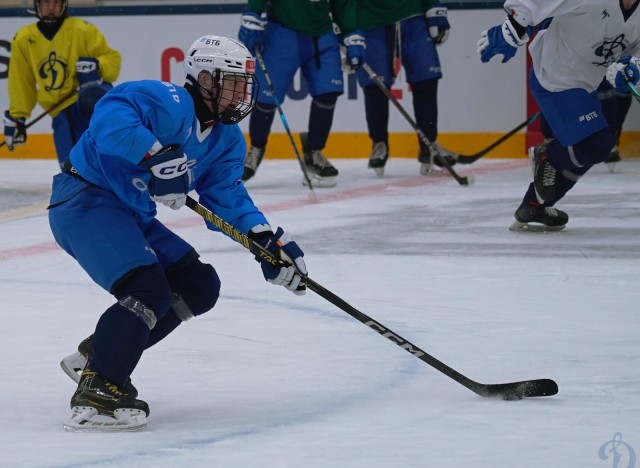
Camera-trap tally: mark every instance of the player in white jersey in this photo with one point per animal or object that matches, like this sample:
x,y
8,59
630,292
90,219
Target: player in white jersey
x,y
578,43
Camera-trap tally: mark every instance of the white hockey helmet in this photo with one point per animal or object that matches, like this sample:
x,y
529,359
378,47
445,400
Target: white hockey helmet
x,y
224,72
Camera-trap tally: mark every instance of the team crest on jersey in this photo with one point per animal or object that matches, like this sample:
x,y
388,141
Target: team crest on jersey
x,y
608,49
53,71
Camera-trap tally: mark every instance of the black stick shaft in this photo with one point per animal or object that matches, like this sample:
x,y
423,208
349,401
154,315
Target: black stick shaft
x,y
634,91
470,158
529,388
378,81
42,115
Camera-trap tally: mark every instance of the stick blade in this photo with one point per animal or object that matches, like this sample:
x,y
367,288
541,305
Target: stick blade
x,y
520,390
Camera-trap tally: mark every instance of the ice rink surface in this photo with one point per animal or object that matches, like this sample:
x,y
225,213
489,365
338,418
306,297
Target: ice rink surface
x,y
270,379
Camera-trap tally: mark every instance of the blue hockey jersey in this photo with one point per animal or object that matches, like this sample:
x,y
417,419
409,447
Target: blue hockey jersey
x,y
127,122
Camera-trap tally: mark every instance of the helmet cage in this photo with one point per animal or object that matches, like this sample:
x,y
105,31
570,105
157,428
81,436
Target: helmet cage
x,y
49,19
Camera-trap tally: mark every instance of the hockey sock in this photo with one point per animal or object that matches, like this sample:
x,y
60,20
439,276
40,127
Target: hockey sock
x,y
118,343
260,124
376,107
584,154
425,106
320,120
121,334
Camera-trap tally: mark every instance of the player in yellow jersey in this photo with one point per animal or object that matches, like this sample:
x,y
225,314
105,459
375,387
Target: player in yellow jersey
x,y
63,64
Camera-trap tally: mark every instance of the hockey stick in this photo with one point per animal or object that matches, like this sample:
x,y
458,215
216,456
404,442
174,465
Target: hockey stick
x,y
634,91
471,158
263,67
378,81
41,116
505,391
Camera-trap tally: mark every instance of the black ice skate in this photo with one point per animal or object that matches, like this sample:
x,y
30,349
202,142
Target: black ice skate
x,y
428,158
101,406
75,363
533,217
378,158
544,174
321,172
252,161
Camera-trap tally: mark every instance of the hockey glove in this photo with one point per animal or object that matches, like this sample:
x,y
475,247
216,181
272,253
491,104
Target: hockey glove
x,y
283,246
170,176
15,131
355,44
438,24
626,70
251,31
87,72
503,40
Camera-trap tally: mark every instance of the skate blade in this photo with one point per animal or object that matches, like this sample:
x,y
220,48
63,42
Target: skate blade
x,y
87,419
321,182
518,226
73,365
427,169
378,170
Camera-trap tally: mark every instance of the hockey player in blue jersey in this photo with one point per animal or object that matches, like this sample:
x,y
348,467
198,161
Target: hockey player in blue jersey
x,y
152,142
584,41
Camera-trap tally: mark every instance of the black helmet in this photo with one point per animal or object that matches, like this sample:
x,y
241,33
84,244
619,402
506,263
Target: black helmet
x,y
49,19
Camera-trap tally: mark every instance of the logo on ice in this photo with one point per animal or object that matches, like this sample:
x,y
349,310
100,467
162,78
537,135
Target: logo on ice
x,y
621,454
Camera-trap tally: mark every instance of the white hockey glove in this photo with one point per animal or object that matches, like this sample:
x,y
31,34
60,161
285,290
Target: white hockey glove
x,y
284,247
170,176
626,70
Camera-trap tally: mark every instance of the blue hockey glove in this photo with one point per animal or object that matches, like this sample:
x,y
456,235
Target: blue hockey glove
x,y
87,72
282,245
626,70
170,176
355,44
15,131
438,24
501,40
251,31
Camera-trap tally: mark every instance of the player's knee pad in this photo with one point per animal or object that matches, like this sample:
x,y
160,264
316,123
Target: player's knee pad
x,y
145,292
325,101
592,150
195,285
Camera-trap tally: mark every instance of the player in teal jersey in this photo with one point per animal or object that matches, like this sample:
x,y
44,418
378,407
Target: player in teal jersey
x,y
292,35
408,31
